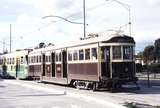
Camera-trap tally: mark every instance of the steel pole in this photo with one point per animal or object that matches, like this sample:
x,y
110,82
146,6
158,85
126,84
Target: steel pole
x,y
10,37
84,18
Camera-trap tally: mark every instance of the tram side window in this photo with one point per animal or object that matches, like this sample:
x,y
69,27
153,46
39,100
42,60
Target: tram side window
x,y
46,58
57,57
94,53
102,53
116,52
60,56
128,52
87,54
70,55
75,55
32,59
37,59
81,54
12,60
49,59
40,59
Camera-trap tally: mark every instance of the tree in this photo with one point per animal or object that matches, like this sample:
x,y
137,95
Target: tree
x,y
148,54
157,49
42,45
140,55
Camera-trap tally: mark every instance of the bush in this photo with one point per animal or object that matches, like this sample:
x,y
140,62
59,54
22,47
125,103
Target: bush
x,y
154,68
138,67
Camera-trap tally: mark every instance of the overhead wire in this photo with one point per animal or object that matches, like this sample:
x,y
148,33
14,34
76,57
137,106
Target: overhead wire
x,y
72,15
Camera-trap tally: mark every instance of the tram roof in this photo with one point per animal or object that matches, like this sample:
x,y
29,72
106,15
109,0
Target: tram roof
x,y
103,39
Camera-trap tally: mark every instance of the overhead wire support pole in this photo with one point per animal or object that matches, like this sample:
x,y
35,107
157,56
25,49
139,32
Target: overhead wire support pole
x,y
10,37
84,17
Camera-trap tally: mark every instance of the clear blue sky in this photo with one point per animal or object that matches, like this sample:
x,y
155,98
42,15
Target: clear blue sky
x,y
28,27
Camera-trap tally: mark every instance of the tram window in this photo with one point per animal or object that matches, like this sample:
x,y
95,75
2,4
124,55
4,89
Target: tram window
x,y
94,53
70,56
75,55
45,58
102,52
60,56
12,60
8,61
128,52
40,59
37,59
49,59
87,54
32,59
57,57
81,54
116,52
29,59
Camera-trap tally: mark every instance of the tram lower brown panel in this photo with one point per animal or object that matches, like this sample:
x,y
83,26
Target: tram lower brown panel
x,y
48,70
55,80
85,71
34,70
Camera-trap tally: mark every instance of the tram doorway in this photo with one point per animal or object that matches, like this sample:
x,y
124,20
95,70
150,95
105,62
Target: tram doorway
x,y
64,63
53,64
43,64
105,64
17,66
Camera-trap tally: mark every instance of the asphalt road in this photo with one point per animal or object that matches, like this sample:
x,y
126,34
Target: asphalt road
x,y
30,94
15,96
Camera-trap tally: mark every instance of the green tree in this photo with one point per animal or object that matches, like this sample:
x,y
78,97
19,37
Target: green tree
x,y
157,49
148,54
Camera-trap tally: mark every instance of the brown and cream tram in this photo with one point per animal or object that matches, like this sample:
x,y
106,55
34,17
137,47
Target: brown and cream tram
x,y
90,63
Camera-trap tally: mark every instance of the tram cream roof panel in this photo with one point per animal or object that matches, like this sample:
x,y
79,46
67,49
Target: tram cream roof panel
x,y
16,53
76,43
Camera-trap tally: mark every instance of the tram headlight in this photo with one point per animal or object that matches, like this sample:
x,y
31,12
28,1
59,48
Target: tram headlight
x,y
126,69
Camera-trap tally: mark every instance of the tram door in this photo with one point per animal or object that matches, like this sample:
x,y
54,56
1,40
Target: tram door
x,y
107,62
53,64
43,64
17,66
64,63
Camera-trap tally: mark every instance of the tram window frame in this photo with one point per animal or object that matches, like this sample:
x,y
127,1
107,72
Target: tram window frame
x,y
81,54
70,55
87,54
75,55
116,53
127,52
94,53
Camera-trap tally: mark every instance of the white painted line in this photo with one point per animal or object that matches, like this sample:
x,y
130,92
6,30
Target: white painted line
x,y
75,95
